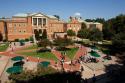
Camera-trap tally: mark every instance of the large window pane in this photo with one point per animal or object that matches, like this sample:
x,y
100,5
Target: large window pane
x,y
34,21
44,21
39,21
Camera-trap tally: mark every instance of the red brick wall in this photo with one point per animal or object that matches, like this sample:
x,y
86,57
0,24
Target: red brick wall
x,y
19,29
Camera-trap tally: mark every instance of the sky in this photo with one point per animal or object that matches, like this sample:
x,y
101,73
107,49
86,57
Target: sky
x,y
64,8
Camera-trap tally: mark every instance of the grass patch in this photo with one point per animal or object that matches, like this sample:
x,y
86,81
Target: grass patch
x,y
30,47
71,53
44,55
3,46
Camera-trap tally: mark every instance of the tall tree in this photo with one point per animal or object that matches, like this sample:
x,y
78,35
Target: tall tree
x,y
62,42
83,25
108,33
44,43
44,34
95,35
36,34
83,33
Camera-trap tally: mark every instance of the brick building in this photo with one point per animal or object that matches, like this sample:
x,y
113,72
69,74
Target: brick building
x,y
22,26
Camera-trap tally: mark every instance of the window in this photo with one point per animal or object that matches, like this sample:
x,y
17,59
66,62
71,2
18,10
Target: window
x,y
19,25
24,25
39,21
10,25
14,29
44,21
34,21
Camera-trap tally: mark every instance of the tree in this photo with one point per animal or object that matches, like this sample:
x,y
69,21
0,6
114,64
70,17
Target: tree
x,y
44,43
44,34
100,20
83,33
95,35
57,16
62,42
36,34
1,37
83,25
108,33
89,20
119,41
71,33
117,23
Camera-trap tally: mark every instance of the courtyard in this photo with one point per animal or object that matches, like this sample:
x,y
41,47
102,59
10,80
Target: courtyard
x,y
72,61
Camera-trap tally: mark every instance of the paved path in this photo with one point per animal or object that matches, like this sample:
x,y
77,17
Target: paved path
x,y
58,55
81,51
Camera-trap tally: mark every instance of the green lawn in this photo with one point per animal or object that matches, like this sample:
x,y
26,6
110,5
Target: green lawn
x,y
45,55
3,46
71,53
30,47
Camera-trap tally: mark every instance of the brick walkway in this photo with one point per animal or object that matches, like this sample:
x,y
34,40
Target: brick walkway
x,y
82,51
58,55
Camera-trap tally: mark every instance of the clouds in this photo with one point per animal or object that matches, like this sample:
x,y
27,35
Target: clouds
x,y
77,14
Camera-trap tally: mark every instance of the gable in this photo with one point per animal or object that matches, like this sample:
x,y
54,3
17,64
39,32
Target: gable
x,y
39,15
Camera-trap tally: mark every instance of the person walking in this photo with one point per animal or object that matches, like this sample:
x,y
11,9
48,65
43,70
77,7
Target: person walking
x,y
94,79
85,81
38,59
82,69
27,59
12,49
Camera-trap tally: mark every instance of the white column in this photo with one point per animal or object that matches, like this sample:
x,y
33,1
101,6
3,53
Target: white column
x,y
32,21
42,22
46,21
37,21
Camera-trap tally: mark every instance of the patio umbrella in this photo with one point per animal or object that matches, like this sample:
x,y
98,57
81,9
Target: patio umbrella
x,y
19,63
44,64
17,58
95,54
14,69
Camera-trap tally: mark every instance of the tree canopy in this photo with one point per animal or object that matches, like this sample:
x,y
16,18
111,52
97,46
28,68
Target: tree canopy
x,y
83,33
44,43
71,33
44,34
62,42
95,35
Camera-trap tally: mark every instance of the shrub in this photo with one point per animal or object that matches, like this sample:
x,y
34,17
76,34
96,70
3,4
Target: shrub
x,y
44,50
31,38
4,40
16,40
26,40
